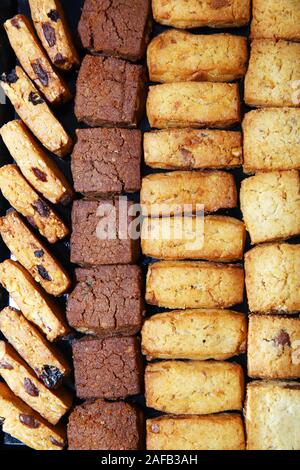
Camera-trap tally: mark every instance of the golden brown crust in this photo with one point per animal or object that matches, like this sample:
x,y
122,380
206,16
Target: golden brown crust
x,y
276,19
191,104
35,112
179,56
21,422
33,255
34,60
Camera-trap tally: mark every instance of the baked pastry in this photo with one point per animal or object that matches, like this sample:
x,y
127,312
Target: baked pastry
x,y
273,75
34,60
32,301
270,204
272,415
211,58
214,432
110,92
276,19
194,387
191,104
33,255
47,362
35,112
107,161
214,238
194,284
273,278
52,28
185,192
271,140
274,347
191,149
194,334
195,14
107,368
38,168
119,307
24,199
22,381
22,423
103,425
91,244
120,28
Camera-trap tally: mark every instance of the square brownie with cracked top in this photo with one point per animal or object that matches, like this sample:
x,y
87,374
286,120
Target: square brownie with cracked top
x,y
110,92
108,368
118,28
107,161
107,301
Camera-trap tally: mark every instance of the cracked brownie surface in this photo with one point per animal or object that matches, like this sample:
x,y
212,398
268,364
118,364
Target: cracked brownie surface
x,y
107,301
107,161
107,368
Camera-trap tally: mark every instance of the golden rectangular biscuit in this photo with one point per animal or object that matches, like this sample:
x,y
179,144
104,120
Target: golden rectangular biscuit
x,y
211,58
211,432
33,255
270,203
33,302
273,76
192,104
24,424
35,112
25,200
272,415
273,278
194,387
191,149
194,14
40,170
52,28
181,192
34,61
276,19
274,347
46,361
214,238
271,140
194,284
22,381
194,334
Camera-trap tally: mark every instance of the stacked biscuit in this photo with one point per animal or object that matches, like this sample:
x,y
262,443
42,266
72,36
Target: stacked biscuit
x,y
32,402
107,303
199,276
270,203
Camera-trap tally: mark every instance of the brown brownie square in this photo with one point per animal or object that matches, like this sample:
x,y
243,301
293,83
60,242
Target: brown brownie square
x,y
107,301
89,247
117,28
107,161
107,368
110,92
102,425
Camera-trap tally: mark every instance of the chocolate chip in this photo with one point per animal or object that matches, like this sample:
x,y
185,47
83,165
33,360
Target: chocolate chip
x,y
43,273
56,443
6,365
29,421
31,221
10,77
59,59
155,428
41,208
51,376
35,98
53,15
15,22
292,386
40,72
39,253
39,174
282,339
49,33
30,388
